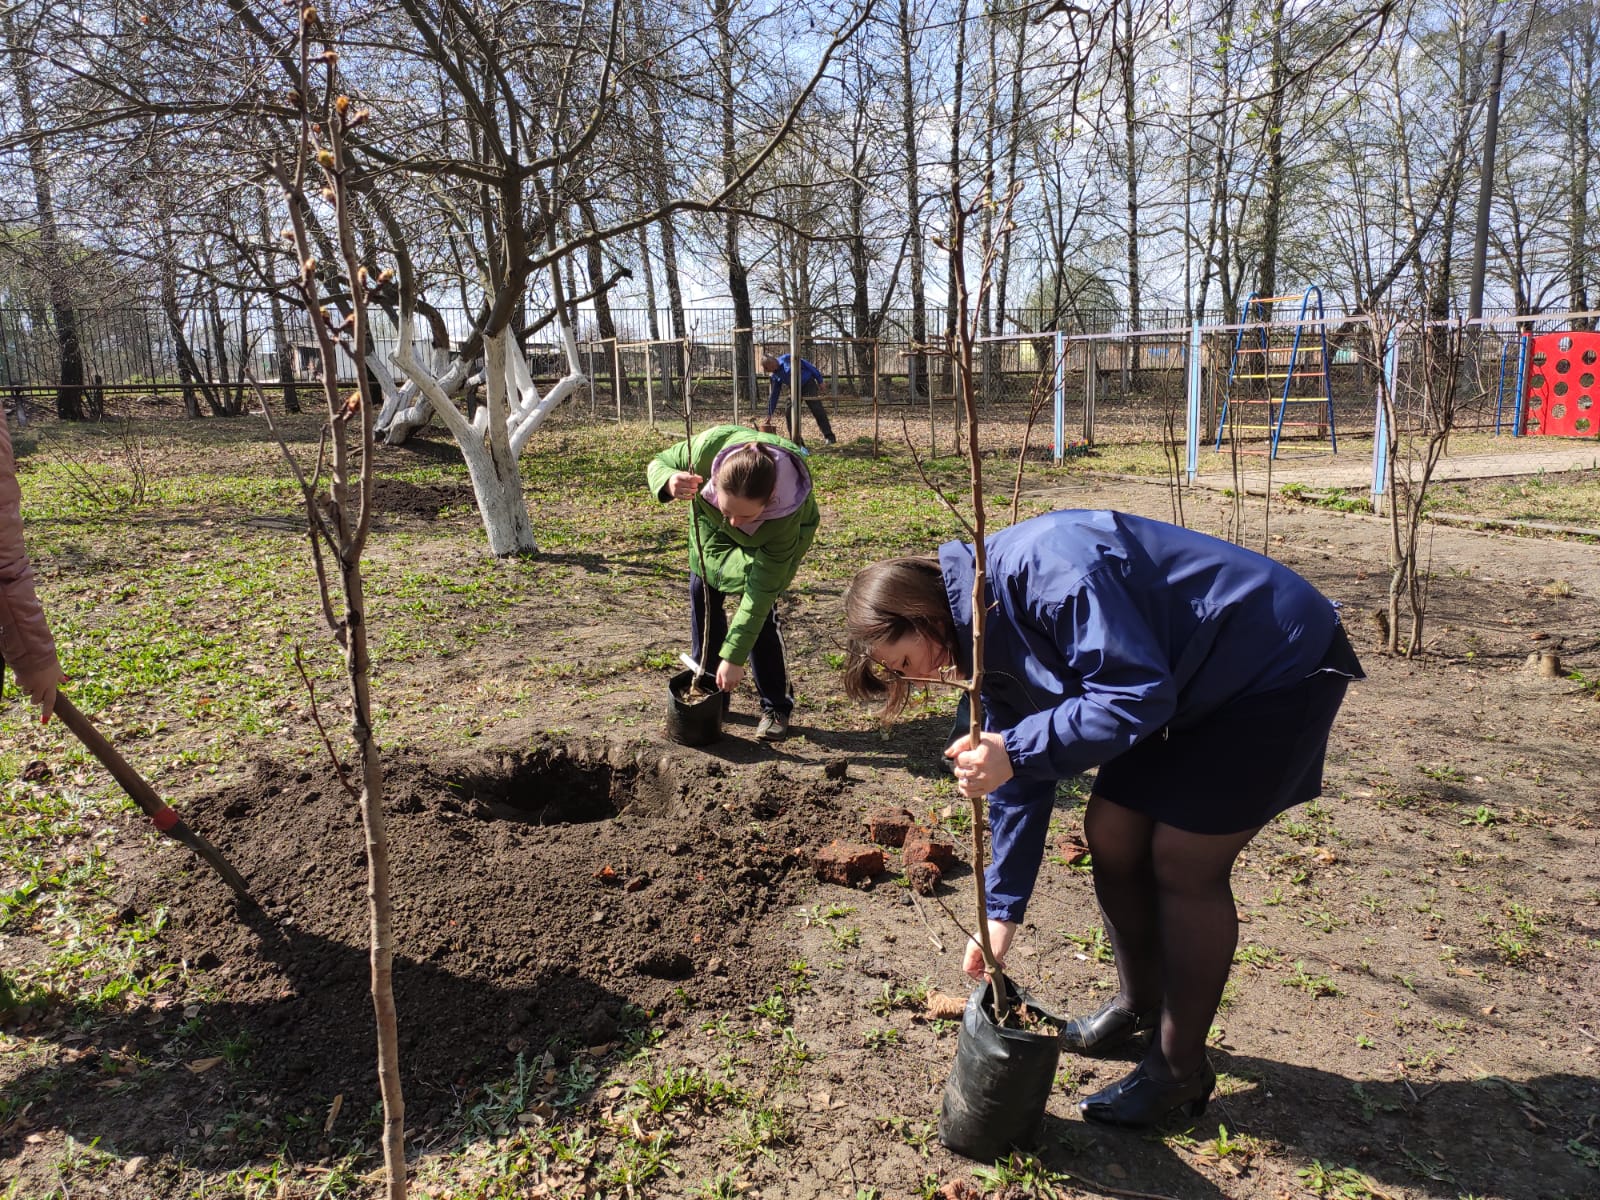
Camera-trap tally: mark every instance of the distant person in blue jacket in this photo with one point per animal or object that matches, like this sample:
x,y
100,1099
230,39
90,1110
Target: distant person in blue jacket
x,y
1200,678
810,389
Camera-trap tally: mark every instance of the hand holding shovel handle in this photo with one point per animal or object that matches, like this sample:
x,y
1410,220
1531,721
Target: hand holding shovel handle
x,y
163,817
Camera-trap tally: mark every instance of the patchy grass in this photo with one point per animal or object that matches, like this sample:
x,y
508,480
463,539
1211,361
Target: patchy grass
x,y
1561,498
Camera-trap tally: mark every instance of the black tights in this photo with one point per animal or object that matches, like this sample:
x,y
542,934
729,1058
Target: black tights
x,y
1170,915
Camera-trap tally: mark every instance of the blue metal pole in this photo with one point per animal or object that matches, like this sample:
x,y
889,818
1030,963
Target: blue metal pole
x,y
1522,396
1380,432
1061,396
1193,425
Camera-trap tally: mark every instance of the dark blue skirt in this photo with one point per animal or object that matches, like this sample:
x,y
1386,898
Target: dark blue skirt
x,y
1240,766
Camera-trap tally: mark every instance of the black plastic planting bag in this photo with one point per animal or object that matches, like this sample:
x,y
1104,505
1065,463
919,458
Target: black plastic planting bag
x,y
692,722
995,1097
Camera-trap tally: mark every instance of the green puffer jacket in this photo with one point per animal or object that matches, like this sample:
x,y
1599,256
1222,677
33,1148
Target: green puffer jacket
x,y
759,564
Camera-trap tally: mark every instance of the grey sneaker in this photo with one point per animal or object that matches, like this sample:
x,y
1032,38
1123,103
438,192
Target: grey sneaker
x,y
773,727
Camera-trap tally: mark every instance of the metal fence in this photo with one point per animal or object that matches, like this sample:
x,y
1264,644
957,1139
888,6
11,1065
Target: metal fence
x,y
1110,385
133,350
141,346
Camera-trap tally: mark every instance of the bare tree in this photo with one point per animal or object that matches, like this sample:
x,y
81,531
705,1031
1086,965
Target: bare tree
x,y
1419,368
69,389
340,517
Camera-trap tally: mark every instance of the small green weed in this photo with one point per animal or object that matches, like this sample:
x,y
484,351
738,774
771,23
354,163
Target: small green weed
x,y
1094,944
1580,1149
722,1187
637,1162
1339,1183
774,1008
919,1135
1024,1175
684,1088
879,1040
793,1054
1311,985
891,997
764,1132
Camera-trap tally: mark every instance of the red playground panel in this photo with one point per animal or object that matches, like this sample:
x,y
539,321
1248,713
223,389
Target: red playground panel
x,y
1562,372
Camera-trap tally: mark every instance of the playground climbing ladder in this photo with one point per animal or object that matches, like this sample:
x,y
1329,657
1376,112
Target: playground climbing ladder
x,y
1267,354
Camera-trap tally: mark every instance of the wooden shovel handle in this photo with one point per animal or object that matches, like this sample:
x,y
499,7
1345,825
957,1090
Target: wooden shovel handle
x,y
132,782
162,816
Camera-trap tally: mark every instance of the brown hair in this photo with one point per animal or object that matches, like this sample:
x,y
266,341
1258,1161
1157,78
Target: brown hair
x,y
748,472
883,603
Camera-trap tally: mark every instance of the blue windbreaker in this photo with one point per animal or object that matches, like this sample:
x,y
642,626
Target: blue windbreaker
x,y
808,374
1104,628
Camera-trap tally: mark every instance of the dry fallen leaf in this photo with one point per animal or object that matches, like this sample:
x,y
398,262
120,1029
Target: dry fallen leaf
x,y
198,1065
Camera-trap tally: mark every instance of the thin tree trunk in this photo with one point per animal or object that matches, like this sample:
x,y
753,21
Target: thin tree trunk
x,y
284,353
660,188
910,128
217,394
802,297
1124,49
69,382
1013,145
991,122
744,370
604,322
1272,209
188,369
947,366
860,275
1580,149
341,520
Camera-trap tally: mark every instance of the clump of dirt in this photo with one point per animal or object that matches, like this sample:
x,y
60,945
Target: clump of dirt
x,y
424,501
544,898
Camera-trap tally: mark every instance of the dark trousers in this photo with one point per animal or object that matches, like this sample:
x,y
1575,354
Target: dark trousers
x,y
809,393
766,664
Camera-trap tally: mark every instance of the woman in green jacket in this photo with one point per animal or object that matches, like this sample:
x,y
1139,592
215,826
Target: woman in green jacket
x,y
755,516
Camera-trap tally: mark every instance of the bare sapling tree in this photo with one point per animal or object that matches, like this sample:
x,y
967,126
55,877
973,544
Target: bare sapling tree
x,y
1418,420
961,352
696,549
339,512
963,336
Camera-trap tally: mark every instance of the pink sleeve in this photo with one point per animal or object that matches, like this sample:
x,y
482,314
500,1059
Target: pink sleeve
x,y
25,639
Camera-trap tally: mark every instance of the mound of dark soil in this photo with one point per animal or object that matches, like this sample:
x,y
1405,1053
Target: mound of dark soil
x,y
425,501
544,902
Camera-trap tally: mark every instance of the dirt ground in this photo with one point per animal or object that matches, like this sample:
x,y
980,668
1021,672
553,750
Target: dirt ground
x,y
1414,1013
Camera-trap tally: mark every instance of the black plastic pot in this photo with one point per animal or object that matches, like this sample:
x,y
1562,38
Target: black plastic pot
x,y
692,722
995,1097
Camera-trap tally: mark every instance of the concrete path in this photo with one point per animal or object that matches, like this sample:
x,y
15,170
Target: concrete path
x,y
1353,469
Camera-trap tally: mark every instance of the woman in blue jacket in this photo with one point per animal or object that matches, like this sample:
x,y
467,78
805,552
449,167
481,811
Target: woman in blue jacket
x,y
1200,678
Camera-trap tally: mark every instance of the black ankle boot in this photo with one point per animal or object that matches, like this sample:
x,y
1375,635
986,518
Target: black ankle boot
x,y
1139,1100
1107,1029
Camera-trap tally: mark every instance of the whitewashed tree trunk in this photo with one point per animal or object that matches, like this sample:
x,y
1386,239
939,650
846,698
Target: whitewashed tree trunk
x,y
493,440
530,409
406,409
